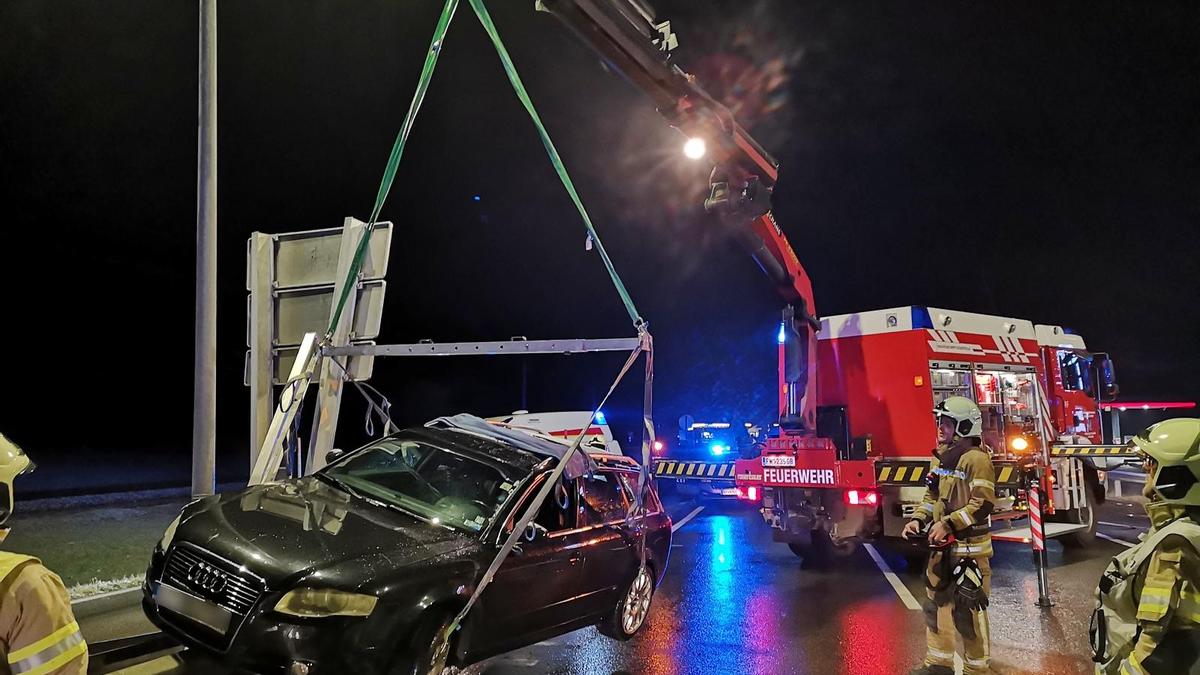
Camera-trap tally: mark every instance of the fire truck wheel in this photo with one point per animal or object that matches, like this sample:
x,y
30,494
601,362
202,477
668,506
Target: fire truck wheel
x,y
914,558
915,563
822,551
1082,516
812,555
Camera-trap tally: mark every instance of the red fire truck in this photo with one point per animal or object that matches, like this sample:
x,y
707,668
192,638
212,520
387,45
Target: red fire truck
x,y
856,392
880,374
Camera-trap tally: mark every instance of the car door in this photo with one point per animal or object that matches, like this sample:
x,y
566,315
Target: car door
x,y
610,558
537,589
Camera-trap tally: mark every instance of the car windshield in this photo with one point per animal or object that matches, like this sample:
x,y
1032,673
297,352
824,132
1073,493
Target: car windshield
x,y
444,487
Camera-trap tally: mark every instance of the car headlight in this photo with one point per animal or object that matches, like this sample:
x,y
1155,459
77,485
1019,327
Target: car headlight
x,y
314,602
169,535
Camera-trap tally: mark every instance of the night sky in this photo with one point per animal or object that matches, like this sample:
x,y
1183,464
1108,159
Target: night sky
x,y
1040,162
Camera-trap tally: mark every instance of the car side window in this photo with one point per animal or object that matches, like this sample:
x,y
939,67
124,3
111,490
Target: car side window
x,y
630,483
603,499
558,511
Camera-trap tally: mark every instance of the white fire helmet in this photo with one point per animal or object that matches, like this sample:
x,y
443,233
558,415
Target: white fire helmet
x,y
968,421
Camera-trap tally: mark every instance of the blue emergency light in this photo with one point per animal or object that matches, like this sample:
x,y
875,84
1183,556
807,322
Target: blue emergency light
x,y
600,418
782,334
718,449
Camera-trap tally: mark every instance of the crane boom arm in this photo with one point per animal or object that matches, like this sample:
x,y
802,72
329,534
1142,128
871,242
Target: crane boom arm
x,y
633,43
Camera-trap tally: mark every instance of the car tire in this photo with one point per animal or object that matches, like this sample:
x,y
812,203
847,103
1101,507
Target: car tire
x,y
631,612
427,654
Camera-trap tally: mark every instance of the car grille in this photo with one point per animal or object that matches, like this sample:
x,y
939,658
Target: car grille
x,y
212,578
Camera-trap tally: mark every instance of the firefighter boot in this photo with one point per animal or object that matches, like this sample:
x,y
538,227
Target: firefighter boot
x,y
932,670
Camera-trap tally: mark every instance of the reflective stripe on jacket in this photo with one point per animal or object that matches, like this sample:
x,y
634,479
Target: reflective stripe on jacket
x,y
38,632
963,497
1168,612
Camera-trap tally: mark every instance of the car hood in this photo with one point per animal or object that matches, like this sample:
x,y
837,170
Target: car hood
x,y
299,528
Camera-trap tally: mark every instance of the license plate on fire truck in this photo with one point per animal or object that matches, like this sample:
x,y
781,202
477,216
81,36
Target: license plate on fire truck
x,y
779,460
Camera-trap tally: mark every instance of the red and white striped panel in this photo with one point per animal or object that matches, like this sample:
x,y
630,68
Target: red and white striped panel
x,y
1035,520
1009,349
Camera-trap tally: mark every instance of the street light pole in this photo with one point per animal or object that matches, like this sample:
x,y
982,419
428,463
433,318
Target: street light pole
x,y
204,409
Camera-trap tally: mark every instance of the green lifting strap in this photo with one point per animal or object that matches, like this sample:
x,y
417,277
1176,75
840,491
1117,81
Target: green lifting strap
x,y
389,174
393,163
555,159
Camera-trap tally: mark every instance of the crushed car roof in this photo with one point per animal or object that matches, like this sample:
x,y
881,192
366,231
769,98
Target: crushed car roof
x,y
579,465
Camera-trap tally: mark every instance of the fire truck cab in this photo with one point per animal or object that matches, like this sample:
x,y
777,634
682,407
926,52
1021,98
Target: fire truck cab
x,y
881,373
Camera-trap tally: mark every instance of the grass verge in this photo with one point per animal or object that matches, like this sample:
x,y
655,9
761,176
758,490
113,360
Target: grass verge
x,y
94,549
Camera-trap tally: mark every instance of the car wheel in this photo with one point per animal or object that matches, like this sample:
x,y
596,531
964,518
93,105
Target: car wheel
x,y
631,612
429,652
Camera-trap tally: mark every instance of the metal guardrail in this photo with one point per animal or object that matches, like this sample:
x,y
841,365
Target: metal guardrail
x,y
111,656
1116,480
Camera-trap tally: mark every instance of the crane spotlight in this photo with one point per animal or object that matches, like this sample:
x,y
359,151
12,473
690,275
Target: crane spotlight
x,y
695,148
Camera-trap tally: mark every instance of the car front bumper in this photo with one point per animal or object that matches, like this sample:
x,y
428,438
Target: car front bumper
x,y
265,641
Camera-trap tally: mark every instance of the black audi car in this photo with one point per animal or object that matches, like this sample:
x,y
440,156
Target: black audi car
x,y
360,567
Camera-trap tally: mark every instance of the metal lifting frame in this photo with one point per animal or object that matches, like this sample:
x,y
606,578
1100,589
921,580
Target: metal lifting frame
x,y
576,346
309,362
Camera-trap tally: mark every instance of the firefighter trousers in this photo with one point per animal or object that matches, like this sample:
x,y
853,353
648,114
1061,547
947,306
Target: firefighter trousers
x,y
940,632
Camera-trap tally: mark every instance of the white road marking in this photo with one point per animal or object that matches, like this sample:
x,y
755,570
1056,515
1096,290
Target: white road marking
x,y
1122,542
906,595
684,520
1124,525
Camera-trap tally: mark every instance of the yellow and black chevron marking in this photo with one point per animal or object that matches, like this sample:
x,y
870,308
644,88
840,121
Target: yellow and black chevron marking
x,y
666,467
1007,475
901,473
1091,451
914,473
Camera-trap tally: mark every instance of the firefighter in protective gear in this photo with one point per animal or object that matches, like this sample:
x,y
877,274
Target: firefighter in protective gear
x,y
961,495
38,633
1160,631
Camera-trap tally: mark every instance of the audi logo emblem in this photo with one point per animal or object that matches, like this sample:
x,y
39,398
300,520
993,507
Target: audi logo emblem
x,y
207,578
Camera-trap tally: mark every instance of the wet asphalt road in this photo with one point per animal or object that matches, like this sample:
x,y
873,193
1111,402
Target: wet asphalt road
x,y
735,602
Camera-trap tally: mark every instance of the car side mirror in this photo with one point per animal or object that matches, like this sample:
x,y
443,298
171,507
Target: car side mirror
x,y
334,455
